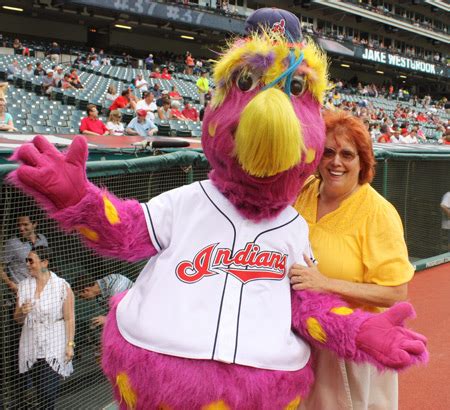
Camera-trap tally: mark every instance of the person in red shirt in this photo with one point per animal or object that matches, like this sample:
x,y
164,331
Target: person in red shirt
x,y
91,125
165,74
123,101
175,112
156,73
385,136
421,117
174,94
190,112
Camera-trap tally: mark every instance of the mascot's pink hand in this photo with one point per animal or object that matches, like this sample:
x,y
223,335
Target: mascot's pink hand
x,y
385,339
59,177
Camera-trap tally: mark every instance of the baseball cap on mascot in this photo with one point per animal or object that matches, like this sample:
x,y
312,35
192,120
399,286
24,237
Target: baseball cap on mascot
x,y
277,20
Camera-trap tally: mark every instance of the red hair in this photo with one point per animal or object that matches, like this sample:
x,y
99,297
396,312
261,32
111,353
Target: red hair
x,y
343,125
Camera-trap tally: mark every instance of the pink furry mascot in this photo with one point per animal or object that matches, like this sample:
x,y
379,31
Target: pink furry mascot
x,y
211,322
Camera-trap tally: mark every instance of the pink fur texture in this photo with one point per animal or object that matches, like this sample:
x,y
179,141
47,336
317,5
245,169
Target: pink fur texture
x,y
128,240
183,384
258,198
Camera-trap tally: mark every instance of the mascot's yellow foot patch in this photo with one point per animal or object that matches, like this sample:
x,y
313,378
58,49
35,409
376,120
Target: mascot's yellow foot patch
x,y
293,405
127,393
88,233
315,330
217,405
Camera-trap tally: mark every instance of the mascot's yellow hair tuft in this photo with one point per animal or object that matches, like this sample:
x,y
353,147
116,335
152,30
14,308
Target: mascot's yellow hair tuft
x,y
237,58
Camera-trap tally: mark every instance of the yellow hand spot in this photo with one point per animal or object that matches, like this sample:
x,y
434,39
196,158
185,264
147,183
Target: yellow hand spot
x,y
212,129
88,233
217,405
110,211
293,405
343,311
315,330
126,391
310,155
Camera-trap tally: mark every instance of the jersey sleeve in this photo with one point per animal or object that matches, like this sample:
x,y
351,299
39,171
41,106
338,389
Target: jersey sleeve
x,y
384,251
159,215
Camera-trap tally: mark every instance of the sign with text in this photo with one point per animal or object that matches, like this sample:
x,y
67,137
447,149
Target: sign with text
x,y
171,12
396,60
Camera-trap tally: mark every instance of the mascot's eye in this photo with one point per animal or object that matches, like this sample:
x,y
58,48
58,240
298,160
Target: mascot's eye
x,y
245,82
297,85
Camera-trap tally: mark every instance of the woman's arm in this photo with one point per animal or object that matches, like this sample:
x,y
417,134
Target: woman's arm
x,y
309,277
69,322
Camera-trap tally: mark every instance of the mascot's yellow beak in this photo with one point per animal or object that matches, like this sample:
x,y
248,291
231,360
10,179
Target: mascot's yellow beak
x,y
268,139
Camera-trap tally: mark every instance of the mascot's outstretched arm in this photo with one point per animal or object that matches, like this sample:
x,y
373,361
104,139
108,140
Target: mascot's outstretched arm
x,y
113,227
326,321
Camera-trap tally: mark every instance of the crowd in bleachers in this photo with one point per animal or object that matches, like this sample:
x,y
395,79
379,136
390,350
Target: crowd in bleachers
x,y
393,115
48,97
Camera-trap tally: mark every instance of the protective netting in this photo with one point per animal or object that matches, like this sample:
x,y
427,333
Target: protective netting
x,y
413,184
21,220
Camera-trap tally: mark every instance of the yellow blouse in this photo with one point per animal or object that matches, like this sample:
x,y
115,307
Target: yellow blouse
x,y
361,241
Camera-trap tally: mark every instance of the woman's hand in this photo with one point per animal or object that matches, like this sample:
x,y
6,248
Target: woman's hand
x,y
26,308
98,321
308,277
69,353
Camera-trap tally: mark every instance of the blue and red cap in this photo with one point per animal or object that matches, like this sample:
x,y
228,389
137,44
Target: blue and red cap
x,y
277,20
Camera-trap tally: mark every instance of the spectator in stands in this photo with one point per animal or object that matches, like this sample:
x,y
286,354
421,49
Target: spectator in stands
x,y
14,269
149,62
165,75
385,136
58,75
164,95
350,222
202,87
141,83
92,125
198,67
156,90
13,70
111,93
190,63
445,207
75,79
174,94
140,125
54,52
114,124
39,70
203,109
48,82
175,113
17,46
156,73
123,101
103,290
65,83
189,112
148,104
95,62
28,71
6,119
45,308
164,112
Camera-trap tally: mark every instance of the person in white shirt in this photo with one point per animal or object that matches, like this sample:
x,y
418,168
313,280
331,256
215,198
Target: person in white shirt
x,y
28,71
58,75
45,308
141,83
148,104
405,139
114,124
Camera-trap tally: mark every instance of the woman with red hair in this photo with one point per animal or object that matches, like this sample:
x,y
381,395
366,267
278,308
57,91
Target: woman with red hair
x,y
357,237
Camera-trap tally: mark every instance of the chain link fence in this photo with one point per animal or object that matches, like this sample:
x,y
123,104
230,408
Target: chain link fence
x,y
414,183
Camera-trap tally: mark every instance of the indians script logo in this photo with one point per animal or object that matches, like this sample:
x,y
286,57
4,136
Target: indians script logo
x,y
279,26
248,264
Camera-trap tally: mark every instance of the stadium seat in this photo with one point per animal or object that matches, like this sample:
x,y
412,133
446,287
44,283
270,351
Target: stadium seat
x,y
43,129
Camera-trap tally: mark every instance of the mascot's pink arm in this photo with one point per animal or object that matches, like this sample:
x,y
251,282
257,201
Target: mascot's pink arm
x,y
326,321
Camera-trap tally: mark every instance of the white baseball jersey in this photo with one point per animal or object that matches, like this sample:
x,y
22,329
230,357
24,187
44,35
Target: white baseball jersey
x,y
218,288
